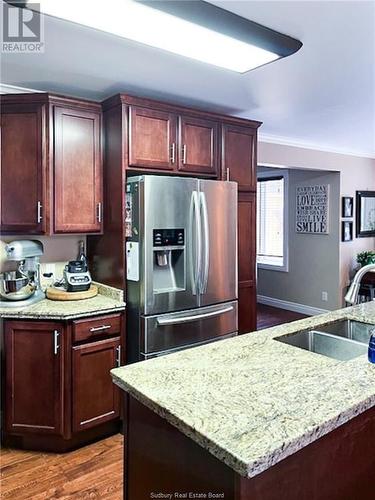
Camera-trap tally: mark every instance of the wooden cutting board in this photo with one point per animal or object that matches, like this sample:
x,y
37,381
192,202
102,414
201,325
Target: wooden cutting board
x,y
60,294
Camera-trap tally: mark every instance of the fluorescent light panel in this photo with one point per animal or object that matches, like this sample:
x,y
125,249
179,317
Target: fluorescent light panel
x,y
141,23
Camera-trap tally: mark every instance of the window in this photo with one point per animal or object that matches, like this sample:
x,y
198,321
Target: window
x,y
272,221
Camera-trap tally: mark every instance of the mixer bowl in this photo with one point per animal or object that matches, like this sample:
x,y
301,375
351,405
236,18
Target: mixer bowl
x,y
16,286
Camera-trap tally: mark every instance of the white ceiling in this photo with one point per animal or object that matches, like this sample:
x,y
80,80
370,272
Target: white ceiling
x,y
323,96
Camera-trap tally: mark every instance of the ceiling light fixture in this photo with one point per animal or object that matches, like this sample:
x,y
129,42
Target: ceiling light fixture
x,y
190,28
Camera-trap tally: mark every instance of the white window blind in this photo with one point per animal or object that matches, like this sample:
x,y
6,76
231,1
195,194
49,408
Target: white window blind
x,y
270,221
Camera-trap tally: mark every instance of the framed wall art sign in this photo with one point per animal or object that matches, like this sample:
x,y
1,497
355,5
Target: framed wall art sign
x,y
347,207
312,209
346,230
365,214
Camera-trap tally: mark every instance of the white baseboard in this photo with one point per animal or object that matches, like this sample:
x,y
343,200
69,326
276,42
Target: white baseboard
x,y
290,306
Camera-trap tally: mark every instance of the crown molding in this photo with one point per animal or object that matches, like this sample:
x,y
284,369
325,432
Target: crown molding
x,y
286,141
12,89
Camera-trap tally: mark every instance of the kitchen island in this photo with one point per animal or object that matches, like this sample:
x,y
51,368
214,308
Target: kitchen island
x,y
252,418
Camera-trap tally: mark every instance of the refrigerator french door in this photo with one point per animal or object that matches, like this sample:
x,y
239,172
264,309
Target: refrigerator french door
x,y
181,253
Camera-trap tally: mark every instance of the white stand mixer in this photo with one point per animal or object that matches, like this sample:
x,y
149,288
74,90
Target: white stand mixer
x,y
21,288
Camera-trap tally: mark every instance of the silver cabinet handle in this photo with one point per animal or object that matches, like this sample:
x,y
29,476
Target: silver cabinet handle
x,y
173,152
118,356
206,243
189,319
99,328
56,345
228,174
39,211
99,212
183,151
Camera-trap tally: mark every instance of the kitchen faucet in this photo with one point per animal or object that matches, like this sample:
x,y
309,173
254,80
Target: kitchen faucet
x,y
352,294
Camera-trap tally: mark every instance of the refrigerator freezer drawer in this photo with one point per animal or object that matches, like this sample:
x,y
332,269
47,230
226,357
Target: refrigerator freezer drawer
x,y
167,332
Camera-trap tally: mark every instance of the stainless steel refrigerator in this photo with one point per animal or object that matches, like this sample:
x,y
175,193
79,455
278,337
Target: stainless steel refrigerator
x,y
181,254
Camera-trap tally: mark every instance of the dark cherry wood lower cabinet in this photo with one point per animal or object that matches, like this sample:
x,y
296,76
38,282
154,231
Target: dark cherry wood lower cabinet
x,y
95,397
34,354
160,459
59,394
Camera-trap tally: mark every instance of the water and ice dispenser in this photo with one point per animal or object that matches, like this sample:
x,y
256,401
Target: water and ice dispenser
x,y
169,260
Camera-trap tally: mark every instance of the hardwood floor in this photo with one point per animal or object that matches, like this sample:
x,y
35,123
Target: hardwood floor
x,y
268,316
95,471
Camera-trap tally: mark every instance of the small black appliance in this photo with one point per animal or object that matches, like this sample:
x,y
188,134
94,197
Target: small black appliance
x,y
77,276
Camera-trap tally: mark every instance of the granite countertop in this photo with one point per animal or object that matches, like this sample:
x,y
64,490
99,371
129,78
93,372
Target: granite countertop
x,y
251,401
108,300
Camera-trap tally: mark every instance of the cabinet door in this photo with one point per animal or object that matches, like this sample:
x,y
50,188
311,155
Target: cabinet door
x,y
238,156
198,142
95,397
246,262
152,138
78,171
23,169
34,357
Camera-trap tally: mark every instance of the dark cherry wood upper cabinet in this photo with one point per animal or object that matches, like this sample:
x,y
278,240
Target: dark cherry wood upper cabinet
x,y
78,171
34,360
51,165
239,156
23,169
152,138
95,397
213,142
198,145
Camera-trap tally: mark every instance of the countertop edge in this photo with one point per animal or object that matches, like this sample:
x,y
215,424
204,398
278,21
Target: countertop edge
x,y
108,300
62,317
309,437
252,469
226,457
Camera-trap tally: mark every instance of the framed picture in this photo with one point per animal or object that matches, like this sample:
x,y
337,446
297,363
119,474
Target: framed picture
x,y
346,230
347,208
365,214
312,209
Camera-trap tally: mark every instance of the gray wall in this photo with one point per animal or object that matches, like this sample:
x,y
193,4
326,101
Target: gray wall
x,y
356,174
313,259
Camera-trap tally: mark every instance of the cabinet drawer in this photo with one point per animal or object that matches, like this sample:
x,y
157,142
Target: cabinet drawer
x,y
87,329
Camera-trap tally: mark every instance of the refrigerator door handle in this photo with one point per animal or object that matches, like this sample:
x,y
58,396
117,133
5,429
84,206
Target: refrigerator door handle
x,y
195,317
206,242
195,229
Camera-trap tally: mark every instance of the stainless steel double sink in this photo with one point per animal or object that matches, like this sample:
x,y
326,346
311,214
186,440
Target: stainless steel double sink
x,y
342,340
